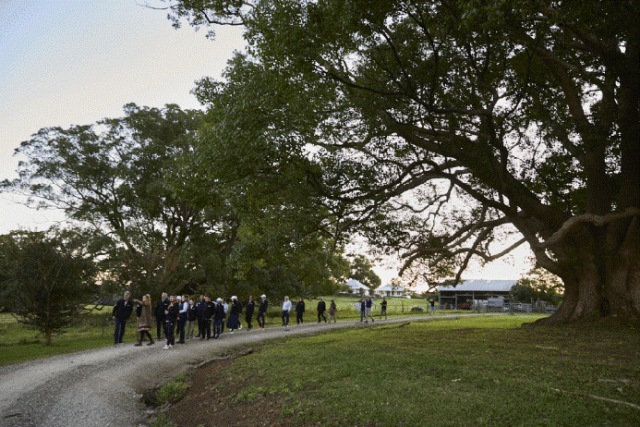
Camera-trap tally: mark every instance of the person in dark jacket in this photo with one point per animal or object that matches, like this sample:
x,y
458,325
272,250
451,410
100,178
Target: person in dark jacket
x,y
262,310
200,306
192,318
300,311
161,306
207,314
234,314
251,306
121,313
322,307
218,318
171,317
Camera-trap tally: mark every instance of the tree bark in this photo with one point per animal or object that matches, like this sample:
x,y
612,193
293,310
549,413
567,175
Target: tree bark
x,y
600,280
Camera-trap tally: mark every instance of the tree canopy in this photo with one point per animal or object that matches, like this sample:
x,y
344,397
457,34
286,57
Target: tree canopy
x,y
47,279
159,208
442,127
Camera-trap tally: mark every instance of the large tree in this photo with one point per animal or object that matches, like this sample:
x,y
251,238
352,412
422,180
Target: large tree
x,y
525,113
115,179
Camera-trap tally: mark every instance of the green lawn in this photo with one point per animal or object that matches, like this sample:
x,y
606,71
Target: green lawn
x,y
485,371
19,344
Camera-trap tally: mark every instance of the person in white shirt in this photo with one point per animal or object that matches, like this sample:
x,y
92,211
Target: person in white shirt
x,y
182,317
286,308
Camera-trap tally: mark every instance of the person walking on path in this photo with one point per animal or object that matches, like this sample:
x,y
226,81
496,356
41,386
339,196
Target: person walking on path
x,y
368,306
144,320
332,312
300,311
121,313
208,312
433,308
234,313
322,307
251,306
383,308
200,306
218,318
226,310
182,318
171,317
286,309
192,319
362,309
262,311
161,306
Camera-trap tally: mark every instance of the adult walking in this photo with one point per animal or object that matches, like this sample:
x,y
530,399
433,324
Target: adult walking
x,y
161,306
368,306
208,312
226,311
200,306
218,319
144,320
333,309
249,309
171,317
262,311
322,307
234,313
300,311
286,309
182,318
362,309
433,308
192,319
121,313
383,308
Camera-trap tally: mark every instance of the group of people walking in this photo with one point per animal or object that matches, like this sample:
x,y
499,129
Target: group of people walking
x,y
178,317
301,309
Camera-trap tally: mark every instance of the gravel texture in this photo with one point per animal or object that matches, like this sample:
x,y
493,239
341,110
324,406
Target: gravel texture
x,y
103,387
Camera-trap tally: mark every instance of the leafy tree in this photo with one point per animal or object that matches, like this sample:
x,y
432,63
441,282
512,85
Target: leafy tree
x,y
115,177
449,127
49,280
362,271
539,285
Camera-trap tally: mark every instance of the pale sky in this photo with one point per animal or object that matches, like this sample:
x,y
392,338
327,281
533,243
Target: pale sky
x,y
74,62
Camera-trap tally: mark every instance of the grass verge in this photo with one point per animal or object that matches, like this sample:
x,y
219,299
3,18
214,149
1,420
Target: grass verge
x,y
484,371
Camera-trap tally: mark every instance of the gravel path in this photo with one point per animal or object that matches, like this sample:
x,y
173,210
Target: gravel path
x,y
100,388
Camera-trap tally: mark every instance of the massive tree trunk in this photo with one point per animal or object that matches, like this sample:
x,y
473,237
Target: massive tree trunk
x,y
601,280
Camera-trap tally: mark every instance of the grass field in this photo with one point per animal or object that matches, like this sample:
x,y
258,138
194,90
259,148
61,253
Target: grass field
x,y
19,344
485,371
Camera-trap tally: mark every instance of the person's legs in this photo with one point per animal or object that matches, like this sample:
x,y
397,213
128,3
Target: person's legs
x,y
159,327
123,324
116,332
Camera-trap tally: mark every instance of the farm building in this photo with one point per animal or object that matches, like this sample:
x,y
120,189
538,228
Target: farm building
x,y
391,291
469,291
355,287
